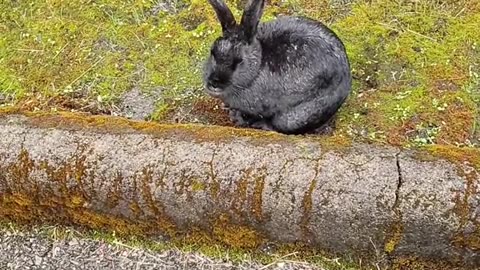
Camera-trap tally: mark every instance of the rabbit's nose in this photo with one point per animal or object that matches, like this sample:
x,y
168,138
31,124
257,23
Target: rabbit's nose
x,y
211,84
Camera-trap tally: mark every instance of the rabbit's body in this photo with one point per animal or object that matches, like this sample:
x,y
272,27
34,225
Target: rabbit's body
x,y
293,77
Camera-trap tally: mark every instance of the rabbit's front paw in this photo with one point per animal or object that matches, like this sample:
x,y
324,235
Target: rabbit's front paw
x,y
238,118
224,106
262,124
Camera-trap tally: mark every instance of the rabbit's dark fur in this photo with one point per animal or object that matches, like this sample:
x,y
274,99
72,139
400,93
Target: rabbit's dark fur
x,y
290,75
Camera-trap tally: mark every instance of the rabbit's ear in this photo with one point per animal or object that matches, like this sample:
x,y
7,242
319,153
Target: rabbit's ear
x,y
251,17
224,15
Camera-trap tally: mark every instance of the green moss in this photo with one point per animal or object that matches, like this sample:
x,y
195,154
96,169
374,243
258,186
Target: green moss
x,y
394,236
464,158
236,235
403,56
99,51
466,155
212,250
198,186
407,263
121,125
258,196
307,206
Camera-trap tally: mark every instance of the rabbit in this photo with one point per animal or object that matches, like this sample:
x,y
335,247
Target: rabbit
x,y
290,75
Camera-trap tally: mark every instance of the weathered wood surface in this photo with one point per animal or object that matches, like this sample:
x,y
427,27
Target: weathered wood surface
x,y
243,188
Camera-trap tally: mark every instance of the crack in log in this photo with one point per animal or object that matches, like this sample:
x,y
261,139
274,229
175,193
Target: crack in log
x,y
215,184
399,182
278,182
394,233
160,182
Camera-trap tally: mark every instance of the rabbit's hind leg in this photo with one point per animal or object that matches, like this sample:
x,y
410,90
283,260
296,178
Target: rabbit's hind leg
x,y
306,117
326,129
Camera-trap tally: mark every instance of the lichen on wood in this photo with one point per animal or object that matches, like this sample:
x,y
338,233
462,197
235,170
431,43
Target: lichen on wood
x,y
241,188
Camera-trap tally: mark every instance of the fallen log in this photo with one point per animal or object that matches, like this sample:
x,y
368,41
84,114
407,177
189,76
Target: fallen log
x,y
242,187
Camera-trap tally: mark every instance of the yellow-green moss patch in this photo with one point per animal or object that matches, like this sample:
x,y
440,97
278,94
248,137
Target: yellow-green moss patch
x,y
198,132
415,63
407,263
467,161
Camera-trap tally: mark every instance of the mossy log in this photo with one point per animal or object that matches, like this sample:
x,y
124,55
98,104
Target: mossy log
x,y
240,187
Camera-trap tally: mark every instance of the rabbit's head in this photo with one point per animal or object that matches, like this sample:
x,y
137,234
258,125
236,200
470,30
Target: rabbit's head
x,y
236,52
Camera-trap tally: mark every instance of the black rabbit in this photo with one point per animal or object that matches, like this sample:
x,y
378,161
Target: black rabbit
x,y
290,75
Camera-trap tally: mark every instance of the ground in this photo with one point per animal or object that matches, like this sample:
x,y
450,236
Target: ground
x,y
415,63
48,247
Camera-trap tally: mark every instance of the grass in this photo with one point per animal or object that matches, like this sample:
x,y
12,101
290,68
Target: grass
x,y
416,67
59,233
415,63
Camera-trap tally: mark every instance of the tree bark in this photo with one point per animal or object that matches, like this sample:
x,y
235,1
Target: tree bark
x,y
241,187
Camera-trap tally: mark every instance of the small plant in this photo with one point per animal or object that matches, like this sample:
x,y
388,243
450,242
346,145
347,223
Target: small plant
x,y
426,134
401,113
438,106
